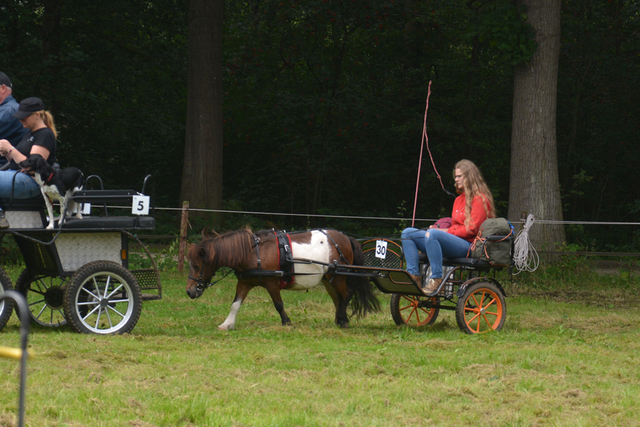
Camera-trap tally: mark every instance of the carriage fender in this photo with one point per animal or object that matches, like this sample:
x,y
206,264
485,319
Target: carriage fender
x,y
470,282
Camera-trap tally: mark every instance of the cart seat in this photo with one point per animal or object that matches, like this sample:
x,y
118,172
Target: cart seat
x,y
111,223
104,196
473,263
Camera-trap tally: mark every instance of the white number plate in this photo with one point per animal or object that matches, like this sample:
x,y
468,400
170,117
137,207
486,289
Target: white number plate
x,y
140,205
381,249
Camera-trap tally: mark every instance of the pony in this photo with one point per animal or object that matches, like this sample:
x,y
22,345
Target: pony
x,y
315,256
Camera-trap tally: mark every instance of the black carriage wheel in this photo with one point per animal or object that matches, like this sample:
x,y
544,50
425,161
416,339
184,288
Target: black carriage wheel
x,y
410,310
45,296
481,309
6,306
103,298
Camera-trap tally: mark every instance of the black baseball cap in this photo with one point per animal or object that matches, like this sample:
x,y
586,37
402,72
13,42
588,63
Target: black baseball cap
x,y
28,106
4,80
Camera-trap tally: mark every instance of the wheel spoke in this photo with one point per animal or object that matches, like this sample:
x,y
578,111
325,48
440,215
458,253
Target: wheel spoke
x,y
98,316
410,305
41,311
114,310
37,302
106,286
113,292
38,291
492,302
411,313
84,288
97,307
484,316
106,311
472,319
478,304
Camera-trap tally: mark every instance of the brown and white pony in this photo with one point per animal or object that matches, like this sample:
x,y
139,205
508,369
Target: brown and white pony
x,y
254,257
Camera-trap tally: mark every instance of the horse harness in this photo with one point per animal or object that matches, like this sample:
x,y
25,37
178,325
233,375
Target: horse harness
x,y
286,260
200,287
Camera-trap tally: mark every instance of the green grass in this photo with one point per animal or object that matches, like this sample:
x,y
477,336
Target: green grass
x,y
567,356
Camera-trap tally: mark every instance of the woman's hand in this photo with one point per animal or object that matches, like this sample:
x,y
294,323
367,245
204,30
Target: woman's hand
x,y
5,147
437,228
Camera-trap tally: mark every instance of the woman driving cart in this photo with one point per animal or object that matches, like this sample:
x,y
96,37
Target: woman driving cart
x,y
473,205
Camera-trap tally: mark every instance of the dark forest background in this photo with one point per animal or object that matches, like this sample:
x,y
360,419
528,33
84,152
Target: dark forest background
x,y
325,100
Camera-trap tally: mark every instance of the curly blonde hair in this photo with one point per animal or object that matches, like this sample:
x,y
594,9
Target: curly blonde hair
x,y
474,185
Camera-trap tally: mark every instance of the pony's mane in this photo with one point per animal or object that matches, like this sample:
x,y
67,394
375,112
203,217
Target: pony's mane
x,y
223,250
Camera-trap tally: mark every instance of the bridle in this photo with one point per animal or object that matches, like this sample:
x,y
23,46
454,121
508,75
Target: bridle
x,y
201,286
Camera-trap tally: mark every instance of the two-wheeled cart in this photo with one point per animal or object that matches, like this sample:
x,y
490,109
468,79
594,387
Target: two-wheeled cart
x,y
78,273
468,287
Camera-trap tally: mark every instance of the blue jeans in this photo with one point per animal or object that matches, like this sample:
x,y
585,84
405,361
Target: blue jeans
x,y
439,244
24,186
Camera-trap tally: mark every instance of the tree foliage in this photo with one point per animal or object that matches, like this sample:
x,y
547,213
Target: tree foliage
x,y
324,99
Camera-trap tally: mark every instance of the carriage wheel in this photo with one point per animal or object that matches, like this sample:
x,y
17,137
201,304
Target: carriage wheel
x,y
481,309
45,296
408,310
103,298
6,306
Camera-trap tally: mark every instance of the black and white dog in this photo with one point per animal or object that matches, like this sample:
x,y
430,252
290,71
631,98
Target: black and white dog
x,y
55,184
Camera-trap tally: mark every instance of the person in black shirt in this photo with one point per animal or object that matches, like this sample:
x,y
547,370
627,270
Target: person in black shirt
x,y
39,139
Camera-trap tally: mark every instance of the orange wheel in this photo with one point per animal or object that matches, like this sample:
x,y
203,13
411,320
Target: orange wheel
x,y
411,310
481,309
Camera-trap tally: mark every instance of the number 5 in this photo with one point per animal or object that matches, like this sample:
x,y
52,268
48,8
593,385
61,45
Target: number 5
x,y
140,205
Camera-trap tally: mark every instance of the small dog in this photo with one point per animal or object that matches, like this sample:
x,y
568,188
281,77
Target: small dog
x,y
55,184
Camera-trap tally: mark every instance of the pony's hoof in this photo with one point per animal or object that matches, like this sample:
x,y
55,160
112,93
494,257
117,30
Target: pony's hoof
x,y
224,327
344,326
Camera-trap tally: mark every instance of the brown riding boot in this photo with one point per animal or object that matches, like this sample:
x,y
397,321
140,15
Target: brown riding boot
x,y
417,279
432,287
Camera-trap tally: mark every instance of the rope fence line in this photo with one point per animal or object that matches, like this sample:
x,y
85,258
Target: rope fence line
x,y
538,221
526,223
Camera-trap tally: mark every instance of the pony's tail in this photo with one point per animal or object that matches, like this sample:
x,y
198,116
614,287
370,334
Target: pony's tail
x,y
363,299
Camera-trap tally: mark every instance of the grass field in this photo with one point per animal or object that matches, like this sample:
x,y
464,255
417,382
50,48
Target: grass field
x,y
567,356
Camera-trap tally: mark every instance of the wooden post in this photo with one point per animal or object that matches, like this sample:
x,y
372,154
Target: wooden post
x,y
183,235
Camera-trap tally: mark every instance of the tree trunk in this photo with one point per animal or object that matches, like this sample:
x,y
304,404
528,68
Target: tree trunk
x,y
202,168
534,183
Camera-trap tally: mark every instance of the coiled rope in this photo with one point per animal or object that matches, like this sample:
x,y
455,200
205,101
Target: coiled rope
x,y
525,256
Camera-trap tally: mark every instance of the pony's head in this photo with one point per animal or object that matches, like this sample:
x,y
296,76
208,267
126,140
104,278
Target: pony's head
x,y
230,249
200,272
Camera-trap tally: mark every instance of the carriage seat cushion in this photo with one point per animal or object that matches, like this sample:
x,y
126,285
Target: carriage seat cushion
x,y
111,222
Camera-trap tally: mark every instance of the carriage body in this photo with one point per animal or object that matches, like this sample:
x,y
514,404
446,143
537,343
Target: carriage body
x,y
469,287
78,273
